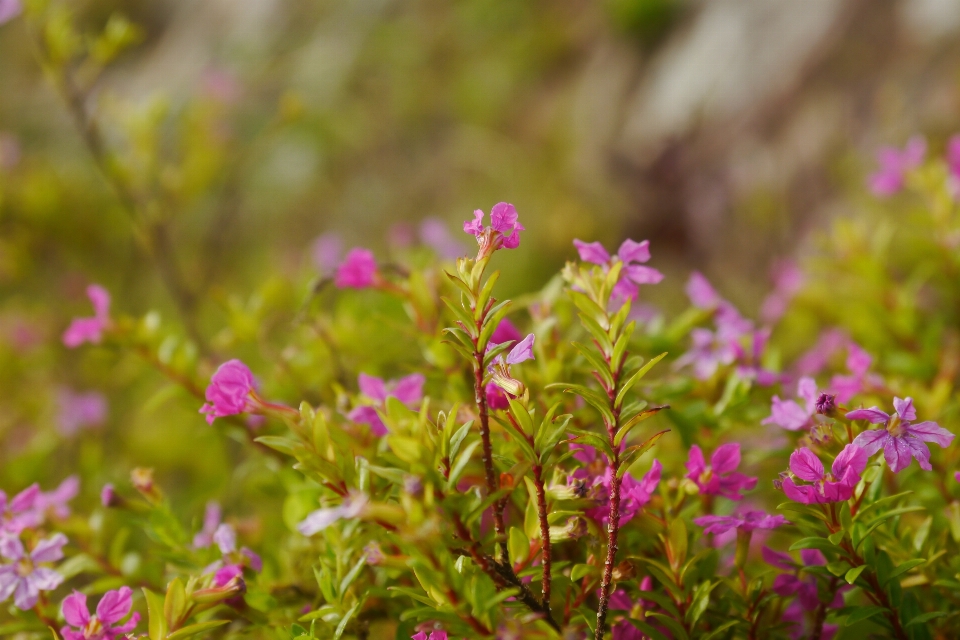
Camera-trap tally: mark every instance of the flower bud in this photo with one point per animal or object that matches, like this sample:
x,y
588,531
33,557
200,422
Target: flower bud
x,y
826,404
142,480
215,595
574,528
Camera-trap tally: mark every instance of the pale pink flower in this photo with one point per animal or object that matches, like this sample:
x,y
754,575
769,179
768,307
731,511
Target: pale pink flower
x,y
900,438
24,578
114,606
78,410
9,9
353,506
634,272
789,414
90,329
894,166
408,390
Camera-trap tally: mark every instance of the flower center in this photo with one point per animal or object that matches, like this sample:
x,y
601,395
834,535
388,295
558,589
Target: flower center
x,y
895,427
93,629
24,568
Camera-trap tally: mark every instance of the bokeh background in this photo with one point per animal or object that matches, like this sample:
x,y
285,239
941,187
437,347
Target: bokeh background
x,y
728,132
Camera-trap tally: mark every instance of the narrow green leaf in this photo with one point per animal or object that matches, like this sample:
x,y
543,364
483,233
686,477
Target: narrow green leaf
x,y
636,377
854,573
345,621
156,622
904,567
862,613
813,543
194,629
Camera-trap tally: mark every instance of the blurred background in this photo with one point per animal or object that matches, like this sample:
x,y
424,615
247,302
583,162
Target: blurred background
x,y
188,154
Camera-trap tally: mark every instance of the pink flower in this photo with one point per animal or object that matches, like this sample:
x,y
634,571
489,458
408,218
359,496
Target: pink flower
x,y
500,367
439,634
787,281
815,360
710,350
9,9
789,415
21,511
326,251
80,410
598,477
90,329
858,362
899,438
701,293
230,392
894,166
808,598
497,398
506,331
108,497
434,234
234,560
836,486
114,606
352,506
632,255
747,521
357,271
720,476
408,390
953,156
54,503
504,230
23,578
211,521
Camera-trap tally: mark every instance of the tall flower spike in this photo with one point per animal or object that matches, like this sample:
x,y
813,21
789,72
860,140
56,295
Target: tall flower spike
x,y
900,438
503,232
91,330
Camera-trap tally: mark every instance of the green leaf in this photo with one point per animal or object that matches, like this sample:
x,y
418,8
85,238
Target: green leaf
x,y
716,632
517,545
852,575
835,538
635,378
579,571
701,600
286,446
156,623
620,347
457,439
677,536
878,503
345,621
813,543
461,464
350,577
862,613
675,628
904,567
597,363
175,604
485,293
194,629
632,454
467,324
927,617
590,309
624,431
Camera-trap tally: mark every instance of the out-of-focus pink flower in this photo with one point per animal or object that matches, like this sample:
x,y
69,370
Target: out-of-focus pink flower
x,y
720,477
9,9
234,560
55,503
620,600
787,282
352,506
701,293
598,479
438,634
634,272
710,350
790,415
114,606
506,331
805,588
24,578
435,234
503,232
231,391
836,486
357,271
90,329
408,390
212,516
373,554
401,235
815,360
9,144
220,85
326,251
78,411
847,386
746,521
20,512
894,166
899,437
108,496
953,156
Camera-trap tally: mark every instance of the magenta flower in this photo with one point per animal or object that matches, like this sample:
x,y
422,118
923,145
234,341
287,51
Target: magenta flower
x,y
439,634
24,579
230,392
789,414
701,293
90,329
234,559
435,234
408,390
500,368
326,251
632,255
506,331
720,477
953,156
711,350
805,589
113,607
353,506
80,410
108,496
816,358
212,516
836,486
899,438
746,521
504,230
597,477
787,282
858,362
55,503
21,511
357,271
9,9
894,166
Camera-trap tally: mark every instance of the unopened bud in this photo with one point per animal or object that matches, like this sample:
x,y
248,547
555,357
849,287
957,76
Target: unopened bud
x,y
574,528
214,595
826,404
142,480
624,571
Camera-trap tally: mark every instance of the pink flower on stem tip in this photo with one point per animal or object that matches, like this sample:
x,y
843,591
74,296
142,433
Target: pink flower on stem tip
x,y
720,477
234,560
20,512
78,411
212,516
836,486
113,607
24,579
408,390
90,330
353,506
632,255
357,271
231,391
789,414
900,438
438,634
9,9
503,232
894,166
746,521
499,369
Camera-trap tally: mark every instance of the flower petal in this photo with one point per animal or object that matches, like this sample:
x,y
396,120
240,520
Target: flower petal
x,y
631,251
522,351
226,538
852,457
905,408
592,252
50,549
503,218
115,605
701,293
930,432
372,387
873,415
409,389
26,594
805,465
695,462
898,454
11,548
74,609
643,275
871,441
